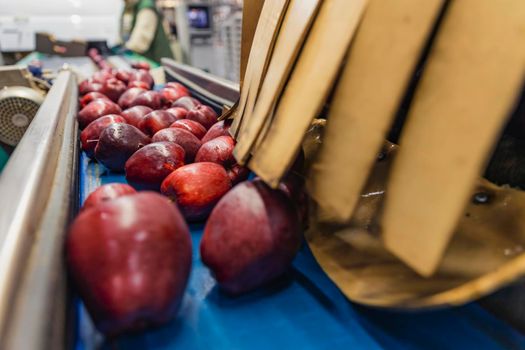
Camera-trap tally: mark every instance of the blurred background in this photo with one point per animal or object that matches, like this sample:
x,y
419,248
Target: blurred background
x,y
203,34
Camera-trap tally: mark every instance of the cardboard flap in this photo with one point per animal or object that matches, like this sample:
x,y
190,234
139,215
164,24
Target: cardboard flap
x,y
264,38
380,64
297,21
310,82
250,17
471,81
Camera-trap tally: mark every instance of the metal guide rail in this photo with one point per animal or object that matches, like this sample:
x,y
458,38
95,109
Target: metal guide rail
x,y
38,198
212,90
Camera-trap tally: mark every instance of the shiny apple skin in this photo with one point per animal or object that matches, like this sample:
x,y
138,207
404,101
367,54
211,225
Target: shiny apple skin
x,y
106,193
170,95
123,75
95,110
205,115
141,65
142,75
178,86
219,150
150,165
186,102
192,126
150,99
138,84
117,143
129,96
130,259
238,173
156,121
88,85
90,97
102,76
221,128
90,135
113,88
196,188
189,142
250,238
178,112
135,114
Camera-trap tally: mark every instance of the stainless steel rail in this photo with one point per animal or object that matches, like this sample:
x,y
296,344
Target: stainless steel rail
x,y
37,199
212,89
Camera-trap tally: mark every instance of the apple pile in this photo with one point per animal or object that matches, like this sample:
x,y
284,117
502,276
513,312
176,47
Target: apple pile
x,y
129,252
120,115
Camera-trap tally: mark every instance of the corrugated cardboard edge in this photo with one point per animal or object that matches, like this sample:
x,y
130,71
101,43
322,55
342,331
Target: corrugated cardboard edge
x,y
298,19
308,87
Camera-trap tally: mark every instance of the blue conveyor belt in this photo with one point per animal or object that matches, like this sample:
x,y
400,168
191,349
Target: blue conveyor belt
x,y
304,310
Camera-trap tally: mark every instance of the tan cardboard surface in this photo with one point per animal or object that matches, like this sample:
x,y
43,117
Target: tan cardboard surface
x,y
472,79
381,61
308,87
295,26
264,38
250,16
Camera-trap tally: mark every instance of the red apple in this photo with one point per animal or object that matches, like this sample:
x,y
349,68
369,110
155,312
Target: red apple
x,y
90,97
123,75
140,65
293,185
88,85
93,52
110,70
238,173
183,138
107,192
169,96
113,88
117,143
127,97
104,64
135,114
192,126
177,112
142,75
130,259
90,135
95,110
251,237
196,188
102,76
155,121
218,150
147,98
186,102
221,128
98,58
177,86
204,115
150,165
138,84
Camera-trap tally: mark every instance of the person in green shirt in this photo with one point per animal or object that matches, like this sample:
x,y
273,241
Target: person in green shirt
x,y
143,32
